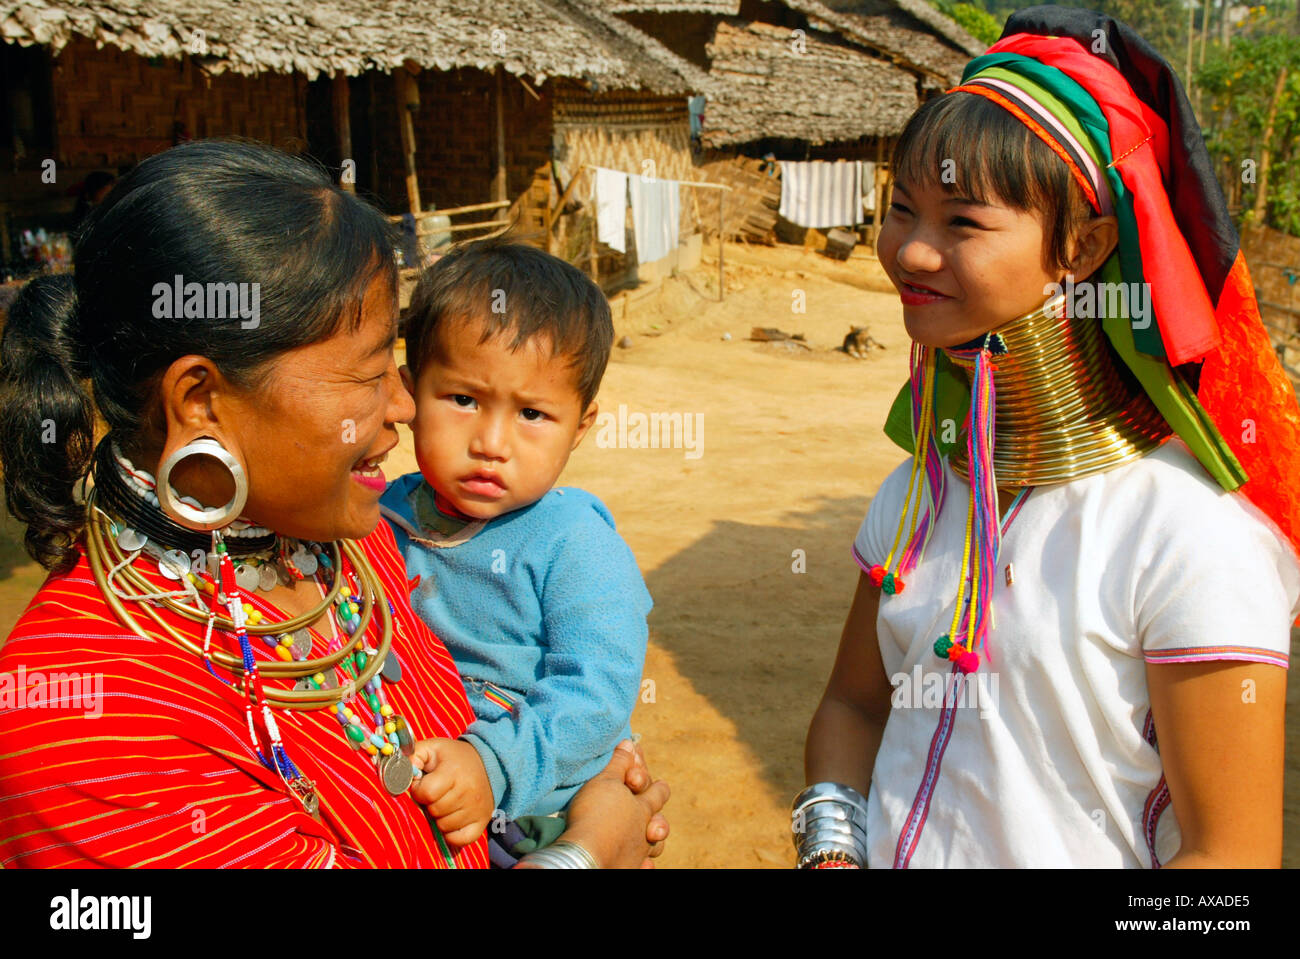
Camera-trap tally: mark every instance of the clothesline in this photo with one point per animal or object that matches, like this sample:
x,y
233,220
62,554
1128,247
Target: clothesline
x,y
609,222
699,183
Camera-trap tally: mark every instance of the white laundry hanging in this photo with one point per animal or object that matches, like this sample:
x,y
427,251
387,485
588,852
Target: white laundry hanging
x,y
656,217
611,208
819,194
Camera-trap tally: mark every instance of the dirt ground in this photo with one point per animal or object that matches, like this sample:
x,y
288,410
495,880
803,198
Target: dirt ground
x,y
792,449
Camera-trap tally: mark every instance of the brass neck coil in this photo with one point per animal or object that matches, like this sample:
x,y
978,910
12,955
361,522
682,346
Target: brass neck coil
x,y
1063,409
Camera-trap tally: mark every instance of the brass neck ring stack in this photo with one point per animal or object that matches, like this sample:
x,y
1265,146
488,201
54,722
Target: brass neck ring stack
x,y
1063,408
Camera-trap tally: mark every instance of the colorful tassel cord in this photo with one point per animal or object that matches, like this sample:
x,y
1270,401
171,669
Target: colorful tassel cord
x,y
970,620
925,487
967,635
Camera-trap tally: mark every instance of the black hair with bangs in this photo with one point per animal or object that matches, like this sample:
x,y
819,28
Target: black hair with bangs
x,y
546,297
993,157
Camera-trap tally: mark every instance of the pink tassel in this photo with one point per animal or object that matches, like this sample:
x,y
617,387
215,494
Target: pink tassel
x,y
986,534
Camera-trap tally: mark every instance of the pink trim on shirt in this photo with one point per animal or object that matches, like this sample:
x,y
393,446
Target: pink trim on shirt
x,y
857,558
1200,654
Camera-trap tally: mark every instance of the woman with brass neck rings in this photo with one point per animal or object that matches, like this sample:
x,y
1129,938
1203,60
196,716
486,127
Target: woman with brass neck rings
x,y
222,583
1069,638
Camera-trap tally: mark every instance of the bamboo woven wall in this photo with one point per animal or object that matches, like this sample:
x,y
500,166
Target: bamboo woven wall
x,y
1274,261
624,131
113,107
657,151
751,203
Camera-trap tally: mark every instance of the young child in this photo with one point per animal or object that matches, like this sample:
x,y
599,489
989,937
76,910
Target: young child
x,y
1069,640
538,599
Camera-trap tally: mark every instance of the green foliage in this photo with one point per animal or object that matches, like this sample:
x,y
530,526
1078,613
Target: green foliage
x,y
1162,23
975,20
1232,92
1238,89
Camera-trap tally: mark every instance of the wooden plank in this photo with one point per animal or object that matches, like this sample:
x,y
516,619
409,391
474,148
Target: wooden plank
x,y
875,189
722,279
554,214
499,180
547,217
473,226
595,260
453,210
343,124
372,127
403,83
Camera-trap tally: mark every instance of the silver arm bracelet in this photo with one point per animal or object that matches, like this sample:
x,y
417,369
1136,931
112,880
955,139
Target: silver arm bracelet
x,y
562,854
831,792
852,844
829,820
834,832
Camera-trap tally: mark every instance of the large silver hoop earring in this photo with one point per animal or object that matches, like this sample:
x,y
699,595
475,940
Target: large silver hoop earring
x,y
203,519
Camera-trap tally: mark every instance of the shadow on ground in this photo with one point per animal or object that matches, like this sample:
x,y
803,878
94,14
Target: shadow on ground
x,y
757,639
766,668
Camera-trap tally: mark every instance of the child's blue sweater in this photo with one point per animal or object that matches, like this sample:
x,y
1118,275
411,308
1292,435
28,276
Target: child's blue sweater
x,y
546,603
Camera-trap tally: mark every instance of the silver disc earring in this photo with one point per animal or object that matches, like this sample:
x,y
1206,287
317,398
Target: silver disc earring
x,y
203,519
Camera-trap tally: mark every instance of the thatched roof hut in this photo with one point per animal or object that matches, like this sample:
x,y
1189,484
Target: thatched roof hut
x,y
815,71
491,109
533,38
726,8
806,89
910,32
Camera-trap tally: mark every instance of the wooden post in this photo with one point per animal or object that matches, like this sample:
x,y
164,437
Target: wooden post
x,y
404,81
552,185
722,284
1205,28
370,131
499,181
595,227
1265,154
193,78
343,126
875,196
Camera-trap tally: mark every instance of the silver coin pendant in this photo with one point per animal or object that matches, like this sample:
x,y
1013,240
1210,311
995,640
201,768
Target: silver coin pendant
x,y
392,668
306,562
174,564
397,773
247,577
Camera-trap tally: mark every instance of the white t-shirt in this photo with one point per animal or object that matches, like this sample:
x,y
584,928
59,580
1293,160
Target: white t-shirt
x,y
1048,758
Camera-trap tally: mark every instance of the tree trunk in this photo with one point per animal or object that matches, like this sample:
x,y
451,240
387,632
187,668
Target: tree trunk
x,y
1261,193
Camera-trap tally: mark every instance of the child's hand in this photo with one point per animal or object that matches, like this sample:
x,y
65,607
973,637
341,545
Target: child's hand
x,y
455,787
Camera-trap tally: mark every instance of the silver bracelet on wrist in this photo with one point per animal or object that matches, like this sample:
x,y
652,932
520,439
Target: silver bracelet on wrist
x,y
562,854
829,825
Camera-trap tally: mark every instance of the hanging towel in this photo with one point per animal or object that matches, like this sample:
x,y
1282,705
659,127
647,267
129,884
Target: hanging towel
x,y
611,208
656,217
868,185
820,194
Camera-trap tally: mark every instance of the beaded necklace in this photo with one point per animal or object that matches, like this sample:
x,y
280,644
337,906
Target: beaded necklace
x,y
391,741
388,739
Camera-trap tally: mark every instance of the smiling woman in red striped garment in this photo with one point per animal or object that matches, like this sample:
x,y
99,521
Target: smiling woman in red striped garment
x,y
241,684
